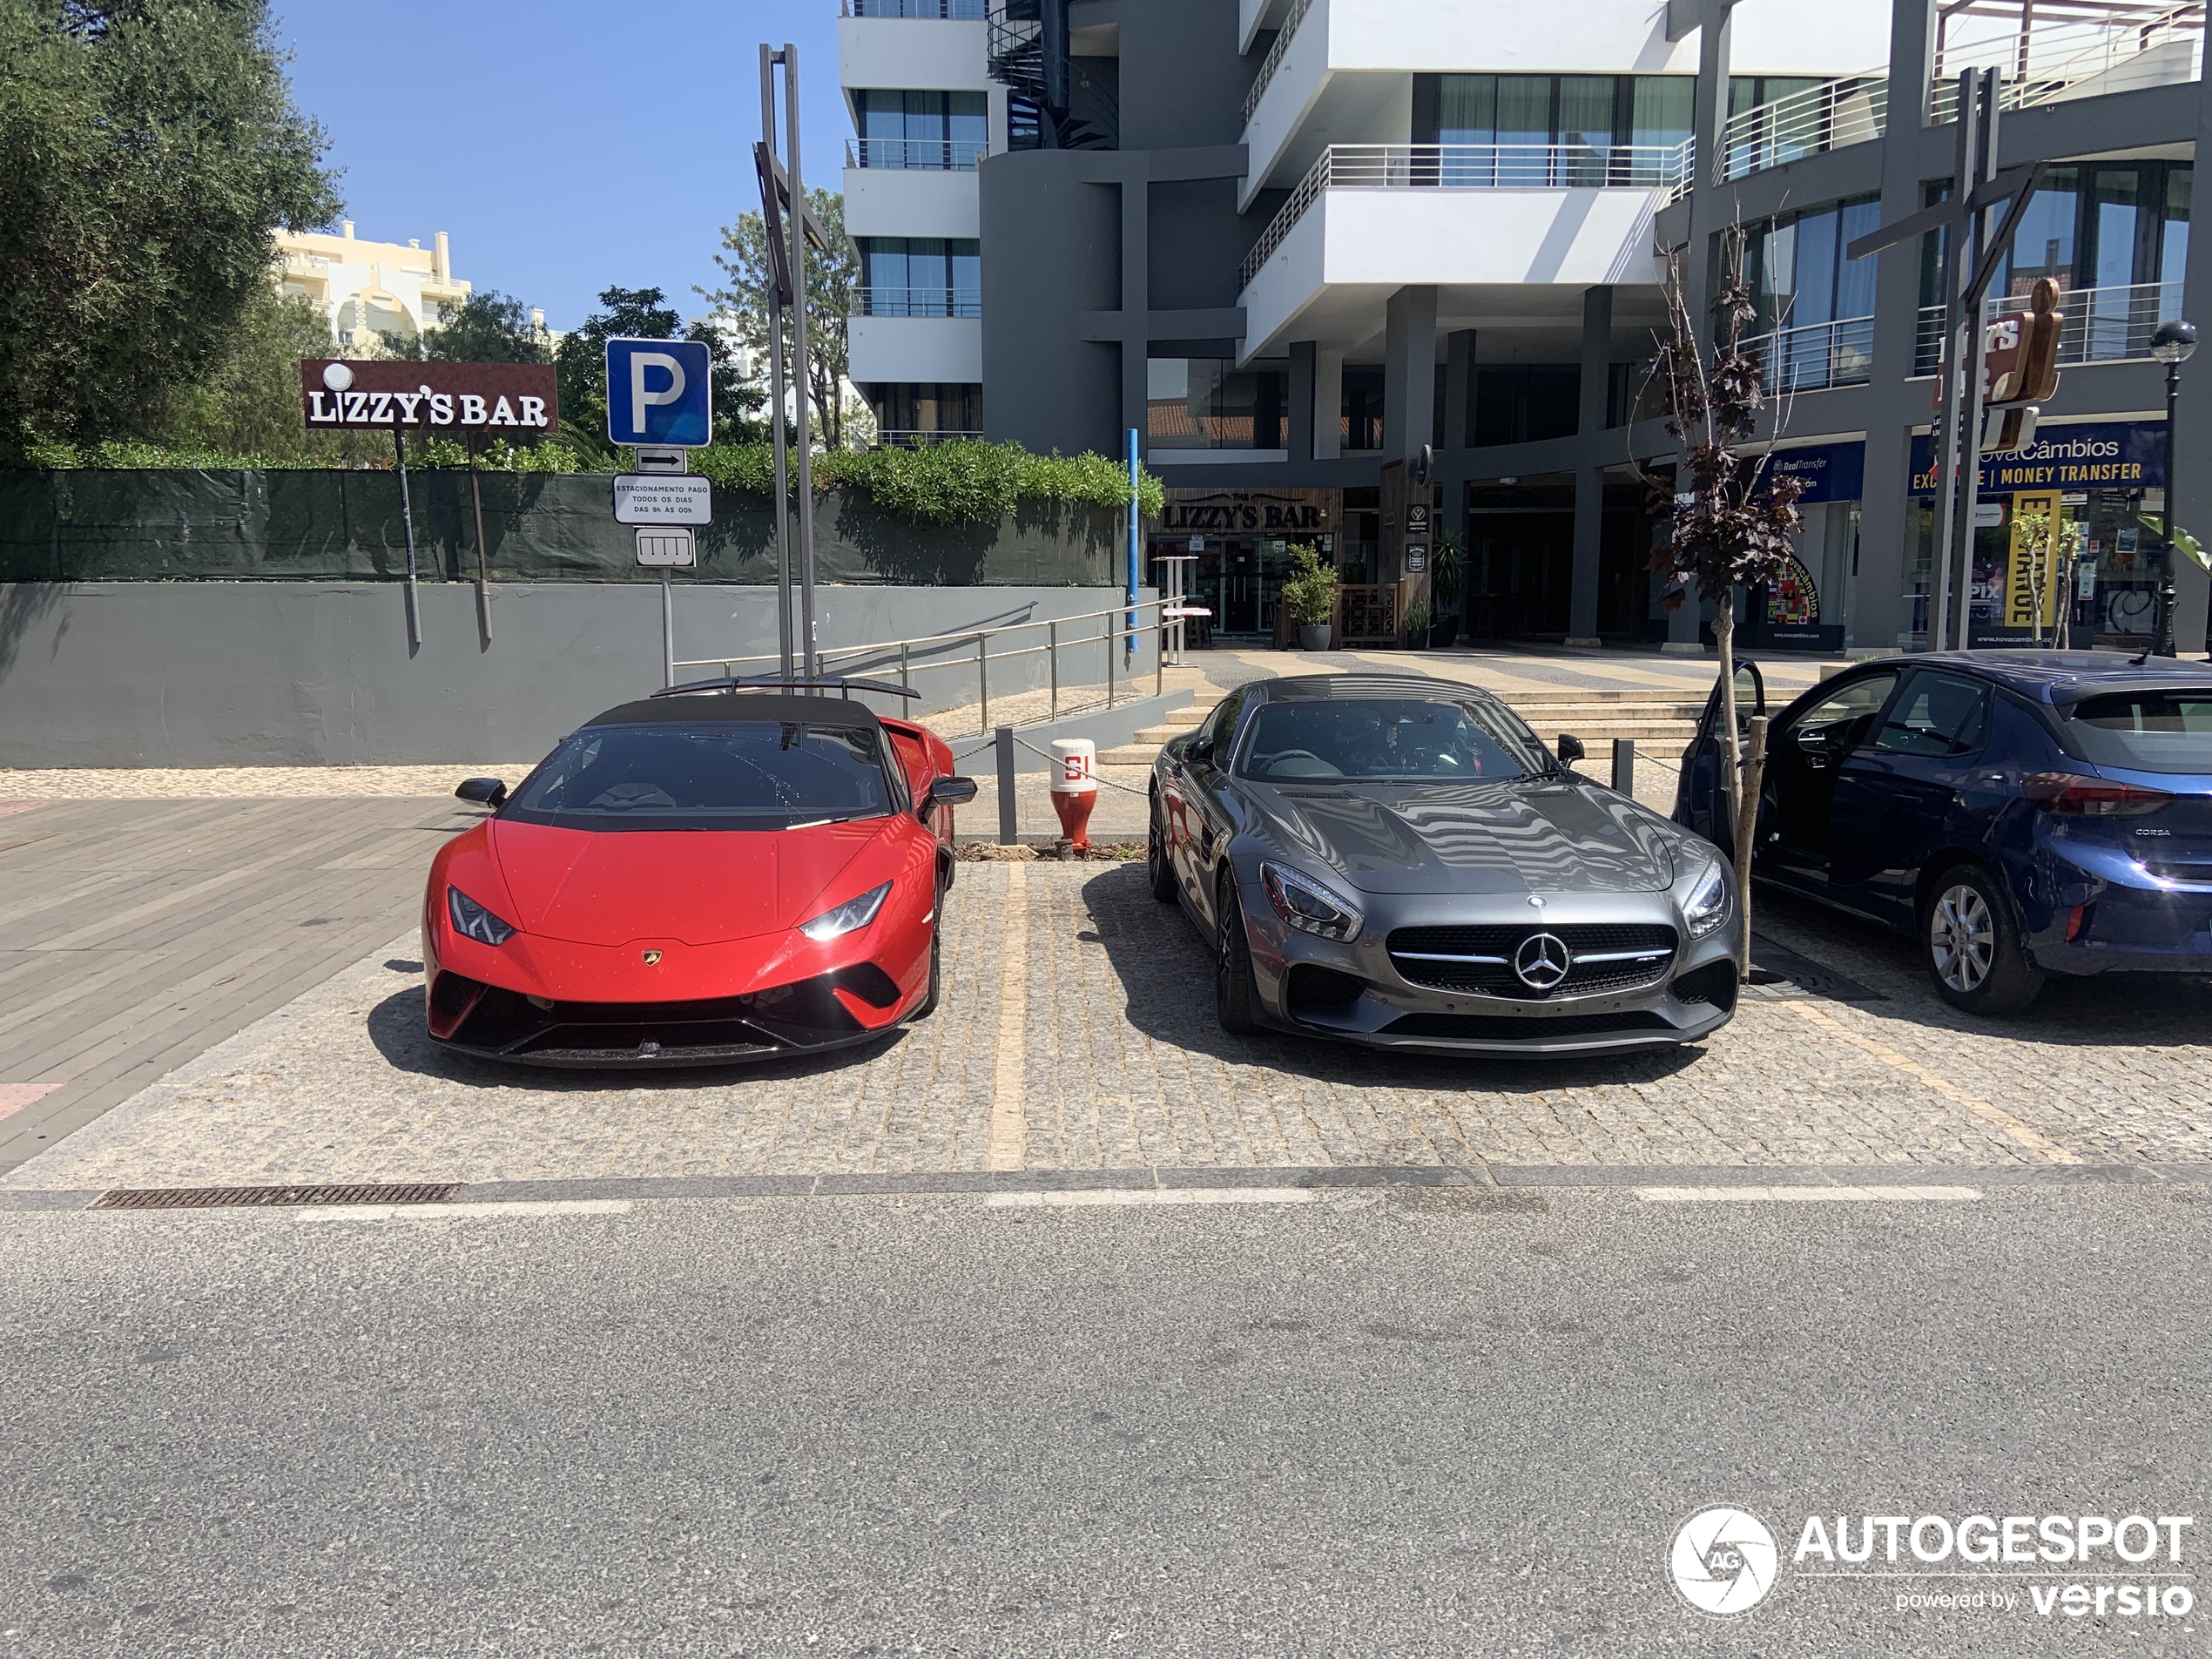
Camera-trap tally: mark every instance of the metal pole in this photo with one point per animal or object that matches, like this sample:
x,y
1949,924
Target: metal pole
x,y
768,60
1624,765
1136,532
1109,662
1010,824
1976,344
484,579
1052,661
983,676
799,369
1946,452
2162,634
1159,664
905,679
668,625
407,519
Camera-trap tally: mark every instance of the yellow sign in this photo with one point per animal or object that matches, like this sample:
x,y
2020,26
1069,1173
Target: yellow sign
x,y
2031,514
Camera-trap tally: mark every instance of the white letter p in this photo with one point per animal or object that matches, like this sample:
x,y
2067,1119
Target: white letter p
x,y
639,397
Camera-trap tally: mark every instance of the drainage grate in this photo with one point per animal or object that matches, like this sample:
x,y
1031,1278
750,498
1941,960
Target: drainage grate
x,y
272,1197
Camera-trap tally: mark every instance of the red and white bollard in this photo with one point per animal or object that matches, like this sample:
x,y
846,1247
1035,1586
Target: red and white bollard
x,y
1074,787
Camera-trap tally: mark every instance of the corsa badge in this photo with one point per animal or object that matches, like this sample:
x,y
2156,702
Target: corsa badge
x,y
653,959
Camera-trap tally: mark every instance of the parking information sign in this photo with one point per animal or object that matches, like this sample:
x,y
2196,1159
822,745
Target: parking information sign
x,y
640,499
664,549
657,392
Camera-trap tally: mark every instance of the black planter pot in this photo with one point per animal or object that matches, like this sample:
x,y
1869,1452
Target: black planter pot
x,y
1443,631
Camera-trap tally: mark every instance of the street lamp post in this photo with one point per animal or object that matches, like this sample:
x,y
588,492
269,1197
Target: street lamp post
x,y
2171,345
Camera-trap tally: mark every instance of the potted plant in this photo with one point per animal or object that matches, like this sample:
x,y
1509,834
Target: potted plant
x,y
1310,594
1447,581
1416,623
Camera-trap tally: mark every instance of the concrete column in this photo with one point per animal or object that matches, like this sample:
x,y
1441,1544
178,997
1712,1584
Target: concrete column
x,y
1301,409
2193,432
1409,371
1589,481
1458,389
1711,206
1880,619
1328,404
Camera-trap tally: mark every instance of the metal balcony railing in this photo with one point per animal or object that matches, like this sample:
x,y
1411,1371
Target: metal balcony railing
x,y
1829,117
961,10
916,155
872,301
918,438
1814,356
1476,166
2100,326
2156,46
1273,61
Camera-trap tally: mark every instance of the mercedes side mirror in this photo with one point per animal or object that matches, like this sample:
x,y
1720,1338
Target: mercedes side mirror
x,y
946,792
488,790
1570,749
1199,752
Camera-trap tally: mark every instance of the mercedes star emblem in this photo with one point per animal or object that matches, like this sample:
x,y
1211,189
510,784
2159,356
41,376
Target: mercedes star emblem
x,y
1542,961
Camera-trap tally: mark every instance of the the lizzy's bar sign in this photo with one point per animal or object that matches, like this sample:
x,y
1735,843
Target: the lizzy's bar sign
x,y
437,397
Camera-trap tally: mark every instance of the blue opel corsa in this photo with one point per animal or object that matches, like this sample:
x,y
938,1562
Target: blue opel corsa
x,y
2020,813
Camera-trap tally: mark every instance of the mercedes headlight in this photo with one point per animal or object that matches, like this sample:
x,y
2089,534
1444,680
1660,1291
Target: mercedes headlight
x,y
1707,906
848,918
1305,904
472,921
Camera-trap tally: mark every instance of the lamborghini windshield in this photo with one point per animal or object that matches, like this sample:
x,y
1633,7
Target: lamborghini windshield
x,y
1390,740
716,775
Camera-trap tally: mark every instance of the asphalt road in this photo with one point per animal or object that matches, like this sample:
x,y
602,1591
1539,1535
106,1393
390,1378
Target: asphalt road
x,y
1412,1422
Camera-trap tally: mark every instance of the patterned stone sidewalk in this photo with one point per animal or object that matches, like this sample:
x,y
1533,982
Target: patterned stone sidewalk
x,y
1076,1032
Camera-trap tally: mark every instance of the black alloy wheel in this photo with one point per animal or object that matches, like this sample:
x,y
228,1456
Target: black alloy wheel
x,y
1156,856
1235,999
1973,944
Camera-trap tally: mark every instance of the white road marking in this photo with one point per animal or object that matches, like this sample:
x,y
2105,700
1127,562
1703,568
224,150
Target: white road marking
x,y
1809,1195
461,1212
1147,1196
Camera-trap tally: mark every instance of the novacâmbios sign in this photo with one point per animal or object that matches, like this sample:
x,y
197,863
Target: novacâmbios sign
x,y
433,397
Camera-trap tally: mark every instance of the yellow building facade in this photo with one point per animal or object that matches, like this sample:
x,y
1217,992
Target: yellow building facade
x,y
369,289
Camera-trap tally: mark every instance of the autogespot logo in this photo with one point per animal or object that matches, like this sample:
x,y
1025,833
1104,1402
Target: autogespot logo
x,y
1723,1560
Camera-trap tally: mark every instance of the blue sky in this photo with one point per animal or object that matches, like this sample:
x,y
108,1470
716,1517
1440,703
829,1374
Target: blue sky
x,y
566,145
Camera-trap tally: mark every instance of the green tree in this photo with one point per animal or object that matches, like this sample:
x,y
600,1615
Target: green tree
x,y
833,283
149,149
489,328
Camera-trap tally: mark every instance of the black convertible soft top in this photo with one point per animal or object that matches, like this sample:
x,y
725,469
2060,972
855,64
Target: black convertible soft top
x,y
718,708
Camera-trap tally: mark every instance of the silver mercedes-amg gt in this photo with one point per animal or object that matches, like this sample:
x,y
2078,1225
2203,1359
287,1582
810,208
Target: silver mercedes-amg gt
x,y
1400,861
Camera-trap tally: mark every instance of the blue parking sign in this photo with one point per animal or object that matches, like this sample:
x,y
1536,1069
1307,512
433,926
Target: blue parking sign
x,y
657,392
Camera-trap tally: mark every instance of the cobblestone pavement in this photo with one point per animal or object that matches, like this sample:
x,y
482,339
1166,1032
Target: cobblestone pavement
x,y
1076,1033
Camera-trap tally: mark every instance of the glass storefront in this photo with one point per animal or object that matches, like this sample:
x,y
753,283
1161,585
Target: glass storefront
x,y
1241,540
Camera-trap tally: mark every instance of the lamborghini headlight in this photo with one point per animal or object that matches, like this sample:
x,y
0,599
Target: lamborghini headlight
x,y
848,918
1707,906
472,921
1305,904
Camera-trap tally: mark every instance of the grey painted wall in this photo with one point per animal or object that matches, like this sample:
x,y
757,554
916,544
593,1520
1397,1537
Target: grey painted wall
x,y
1055,240
220,673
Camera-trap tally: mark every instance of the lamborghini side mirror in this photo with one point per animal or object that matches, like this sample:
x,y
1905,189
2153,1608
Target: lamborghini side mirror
x,y
488,790
948,792
1570,749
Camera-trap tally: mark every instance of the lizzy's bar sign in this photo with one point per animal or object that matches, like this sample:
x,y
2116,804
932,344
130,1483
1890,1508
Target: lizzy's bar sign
x,y
436,397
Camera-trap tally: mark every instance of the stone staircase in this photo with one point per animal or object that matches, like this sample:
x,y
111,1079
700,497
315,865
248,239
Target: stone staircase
x,y
1661,723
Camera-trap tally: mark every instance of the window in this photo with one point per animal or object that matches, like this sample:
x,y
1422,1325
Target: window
x,y
1360,421
2168,732
916,412
1209,403
920,276
750,774
1389,740
1549,130
1525,402
938,131
1842,720
1941,715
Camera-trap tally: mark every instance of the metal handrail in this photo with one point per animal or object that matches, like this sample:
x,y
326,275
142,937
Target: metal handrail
x,y
1669,167
2105,325
2045,65
1851,109
957,11
872,301
916,155
1815,355
1273,61
1113,636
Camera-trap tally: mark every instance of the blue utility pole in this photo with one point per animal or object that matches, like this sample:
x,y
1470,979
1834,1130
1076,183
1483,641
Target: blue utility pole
x,y
1136,531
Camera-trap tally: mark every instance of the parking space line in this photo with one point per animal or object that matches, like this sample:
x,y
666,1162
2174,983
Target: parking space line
x,y
2002,1121
1809,1195
1085,1197
1009,1143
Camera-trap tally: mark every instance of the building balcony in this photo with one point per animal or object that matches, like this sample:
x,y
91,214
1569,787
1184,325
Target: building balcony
x,y
900,201
935,43
2097,325
959,10
915,155
917,349
1815,356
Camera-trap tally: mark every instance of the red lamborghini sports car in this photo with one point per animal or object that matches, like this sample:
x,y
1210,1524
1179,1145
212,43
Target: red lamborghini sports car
x,y
700,878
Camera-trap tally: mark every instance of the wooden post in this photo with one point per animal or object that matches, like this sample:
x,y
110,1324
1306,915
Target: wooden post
x,y
1747,823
